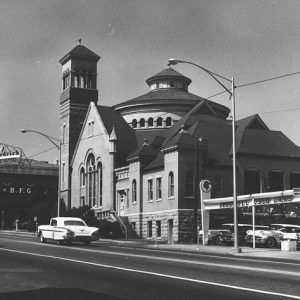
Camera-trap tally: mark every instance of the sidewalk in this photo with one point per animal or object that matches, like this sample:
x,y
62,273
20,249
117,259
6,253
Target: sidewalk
x,y
266,253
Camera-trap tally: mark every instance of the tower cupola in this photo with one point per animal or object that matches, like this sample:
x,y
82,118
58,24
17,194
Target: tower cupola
x,y
168,79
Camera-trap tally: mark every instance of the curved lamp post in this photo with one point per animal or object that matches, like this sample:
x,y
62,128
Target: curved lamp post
x,y
57,143
231,92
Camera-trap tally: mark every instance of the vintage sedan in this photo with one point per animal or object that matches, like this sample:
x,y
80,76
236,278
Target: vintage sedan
x,y
225,235
67,229
273,236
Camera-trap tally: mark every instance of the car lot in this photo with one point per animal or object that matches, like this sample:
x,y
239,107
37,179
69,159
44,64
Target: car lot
x,y
265,236
274,234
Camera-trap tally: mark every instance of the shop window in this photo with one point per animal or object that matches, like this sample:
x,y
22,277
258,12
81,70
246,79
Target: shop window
x,y
189,184
171,185
252,182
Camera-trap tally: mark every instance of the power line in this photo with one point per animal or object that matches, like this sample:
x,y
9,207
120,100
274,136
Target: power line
x,y
42,152
256,82
269,79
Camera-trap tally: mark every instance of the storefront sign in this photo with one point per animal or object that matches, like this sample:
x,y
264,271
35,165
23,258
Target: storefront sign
x,y
6,153
256,201
17,190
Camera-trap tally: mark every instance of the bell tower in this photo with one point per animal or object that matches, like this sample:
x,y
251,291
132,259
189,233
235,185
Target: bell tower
x,y
79,88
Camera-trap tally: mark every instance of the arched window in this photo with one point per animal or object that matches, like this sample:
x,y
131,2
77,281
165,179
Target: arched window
x,y
169,121
91,180
134,123
171,185
82,177
189,184
142,122
100,183
159,121
150,122
133,191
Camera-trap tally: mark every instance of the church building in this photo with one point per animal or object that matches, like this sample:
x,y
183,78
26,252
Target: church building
x,y
140,159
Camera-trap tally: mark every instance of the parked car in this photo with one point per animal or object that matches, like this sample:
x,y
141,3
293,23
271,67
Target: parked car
x,y
273,236
67,229
242,232
225,235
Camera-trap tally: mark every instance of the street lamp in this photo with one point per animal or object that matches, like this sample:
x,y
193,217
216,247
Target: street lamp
x,y
231,92
57,143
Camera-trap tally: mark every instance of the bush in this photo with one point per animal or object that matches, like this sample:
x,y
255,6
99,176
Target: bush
x,y
107,228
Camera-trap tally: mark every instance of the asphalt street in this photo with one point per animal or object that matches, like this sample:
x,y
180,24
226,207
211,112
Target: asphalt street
x,y
31,270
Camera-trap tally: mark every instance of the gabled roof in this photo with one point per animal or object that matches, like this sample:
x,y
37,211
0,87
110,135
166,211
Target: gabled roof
x,y
126,139
80,51
252,122
267,142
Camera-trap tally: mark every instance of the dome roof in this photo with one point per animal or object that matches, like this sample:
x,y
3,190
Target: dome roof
x,y
168,73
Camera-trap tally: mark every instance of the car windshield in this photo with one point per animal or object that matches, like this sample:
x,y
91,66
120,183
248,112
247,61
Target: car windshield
x,y
74,223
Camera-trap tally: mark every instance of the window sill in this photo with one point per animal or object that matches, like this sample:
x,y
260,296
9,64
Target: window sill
x,y
158,200
134,202
171,198
150,201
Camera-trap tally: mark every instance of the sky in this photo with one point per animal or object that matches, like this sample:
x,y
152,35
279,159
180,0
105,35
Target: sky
x,y
248,40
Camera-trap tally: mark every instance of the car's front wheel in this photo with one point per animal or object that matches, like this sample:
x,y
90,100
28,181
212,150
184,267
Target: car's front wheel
x,y
42,239
218,240
270,243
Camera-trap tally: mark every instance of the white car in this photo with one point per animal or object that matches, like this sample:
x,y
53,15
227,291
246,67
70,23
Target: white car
x,y
273,236
67,229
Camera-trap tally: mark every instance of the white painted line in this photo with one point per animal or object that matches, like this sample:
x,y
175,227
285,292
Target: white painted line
x,y
154,274
193,262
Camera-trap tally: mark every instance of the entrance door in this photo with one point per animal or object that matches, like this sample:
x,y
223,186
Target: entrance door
x,y
170,231
122,202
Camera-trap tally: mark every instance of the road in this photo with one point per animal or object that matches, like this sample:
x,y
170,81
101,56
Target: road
x,y
106,271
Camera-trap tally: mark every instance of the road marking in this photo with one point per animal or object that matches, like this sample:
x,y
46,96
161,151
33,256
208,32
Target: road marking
x,y
235,258
193,262
153,274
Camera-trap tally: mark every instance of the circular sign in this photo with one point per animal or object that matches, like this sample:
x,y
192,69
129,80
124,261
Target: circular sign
x,y
205,185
